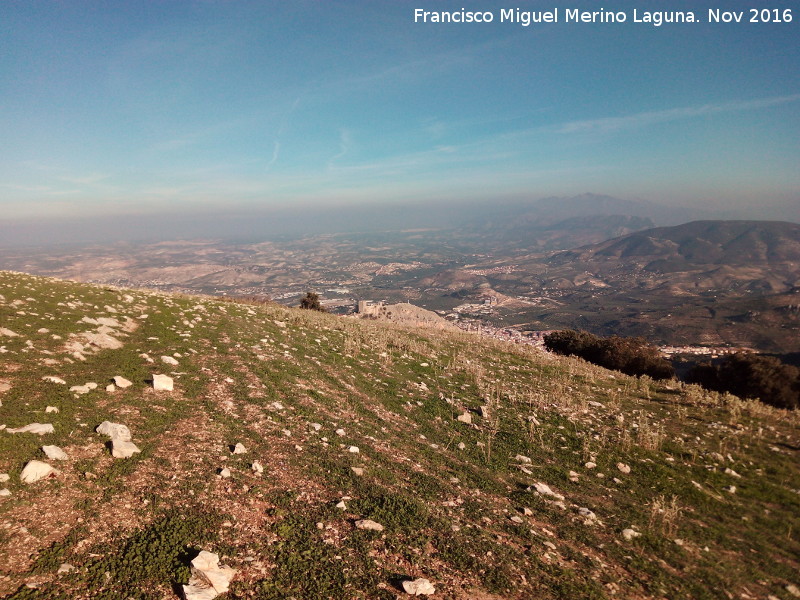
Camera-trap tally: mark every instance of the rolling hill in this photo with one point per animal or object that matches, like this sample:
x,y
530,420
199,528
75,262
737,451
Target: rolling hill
x,y
328,457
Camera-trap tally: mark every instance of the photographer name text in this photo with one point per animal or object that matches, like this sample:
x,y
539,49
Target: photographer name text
x,y
527,18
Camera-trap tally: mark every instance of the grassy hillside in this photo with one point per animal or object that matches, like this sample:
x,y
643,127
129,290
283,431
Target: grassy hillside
x,y
529,500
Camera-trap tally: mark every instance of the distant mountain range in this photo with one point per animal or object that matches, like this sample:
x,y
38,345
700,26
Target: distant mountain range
x,y
769,246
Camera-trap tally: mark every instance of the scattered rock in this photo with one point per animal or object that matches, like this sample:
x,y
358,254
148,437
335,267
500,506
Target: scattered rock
x,y
5,492
114,431
208,579
121,382
732,473
83,389
121,445
731,489
162,383
357,470
122,448
169,360
630,534
54,453
574,477
623,468
51,409
8,332
590,465
341,505
4,477
111,387
4,387
419,587
465,418
64,568
544,490
37,428
588,515
36,470
54,379
239,449
340,432
225,473
369,525
793,590
523,459
353,450
257,467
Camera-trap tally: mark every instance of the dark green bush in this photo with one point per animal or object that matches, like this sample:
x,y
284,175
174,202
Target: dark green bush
x,y
311,302
632,356
751,376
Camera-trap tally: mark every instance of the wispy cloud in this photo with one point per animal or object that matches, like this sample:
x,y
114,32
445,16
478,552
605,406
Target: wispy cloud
x,y
276,150
345,141
645,119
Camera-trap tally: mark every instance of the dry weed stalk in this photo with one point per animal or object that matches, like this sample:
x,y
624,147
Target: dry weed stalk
x,y
665,513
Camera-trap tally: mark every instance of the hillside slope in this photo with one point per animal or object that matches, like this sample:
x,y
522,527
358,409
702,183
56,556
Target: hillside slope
x,y
496,471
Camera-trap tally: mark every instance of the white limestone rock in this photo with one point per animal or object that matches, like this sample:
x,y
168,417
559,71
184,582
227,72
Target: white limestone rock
x,y
209,578
239,449
36,470
54,453
544,490
589,517
630,534
623,468
37,428
464,418
369,525
114,431
121,382
8,332
419,587
162,383
169,360
257,467
122,448
51,409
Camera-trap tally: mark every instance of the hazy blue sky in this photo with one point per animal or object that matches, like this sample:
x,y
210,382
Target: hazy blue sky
x,y
137,107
